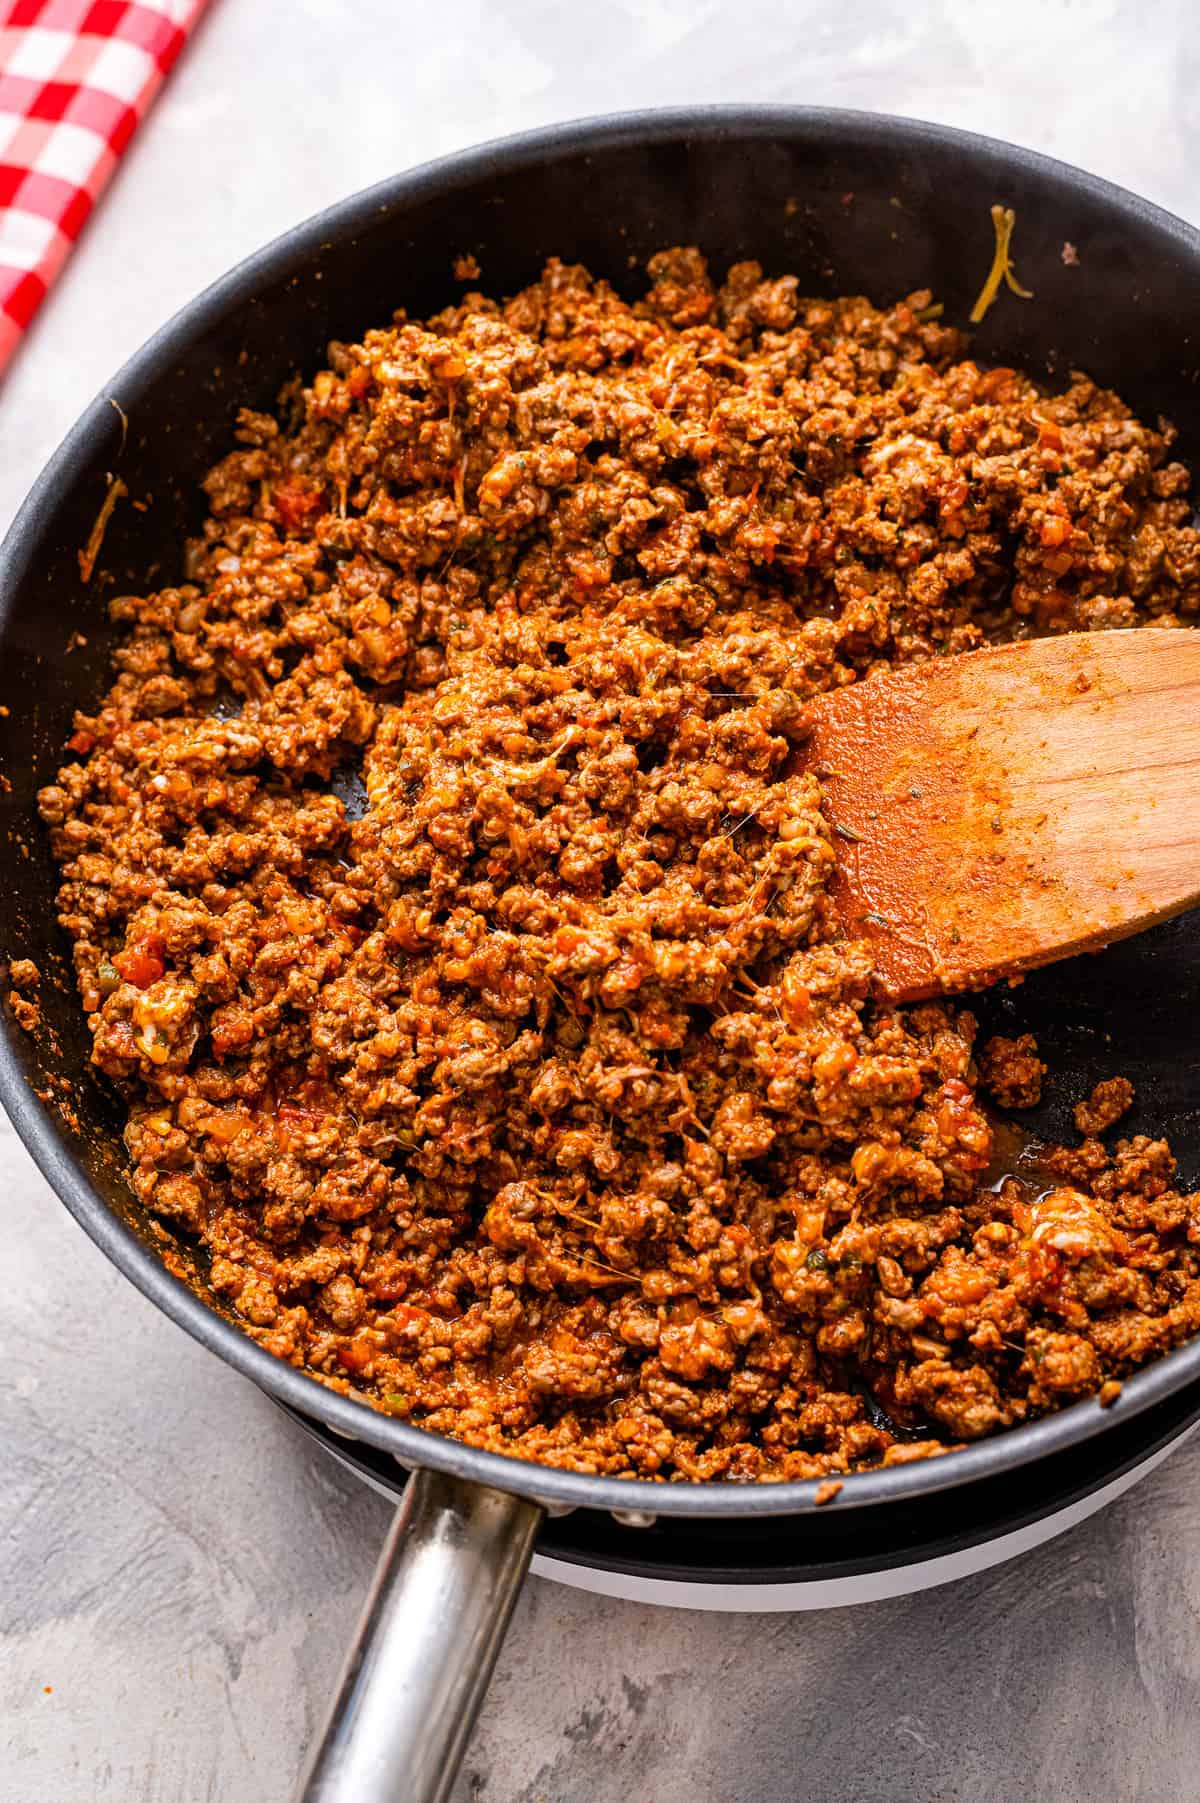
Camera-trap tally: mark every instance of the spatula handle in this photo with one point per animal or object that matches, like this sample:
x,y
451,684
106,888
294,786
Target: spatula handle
x,y
434,1622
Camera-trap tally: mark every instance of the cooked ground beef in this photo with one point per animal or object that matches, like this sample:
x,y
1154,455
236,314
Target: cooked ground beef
x,y
1104,1107
1011,1071
448,907
25,977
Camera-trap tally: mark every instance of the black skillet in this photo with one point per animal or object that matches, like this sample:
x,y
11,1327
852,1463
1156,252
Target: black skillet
x,y
854,204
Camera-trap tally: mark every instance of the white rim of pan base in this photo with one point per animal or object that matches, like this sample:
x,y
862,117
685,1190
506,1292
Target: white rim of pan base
x,y
826,1593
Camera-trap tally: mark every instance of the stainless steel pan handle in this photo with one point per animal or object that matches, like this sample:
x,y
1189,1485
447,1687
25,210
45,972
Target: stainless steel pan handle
x,y
433,1624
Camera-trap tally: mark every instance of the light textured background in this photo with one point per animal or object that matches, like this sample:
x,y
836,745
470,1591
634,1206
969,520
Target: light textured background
x,y
175,1561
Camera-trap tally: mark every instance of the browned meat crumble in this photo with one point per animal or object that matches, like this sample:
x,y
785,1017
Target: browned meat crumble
x,y
25,977
1011,1071
1104,1107
535,1098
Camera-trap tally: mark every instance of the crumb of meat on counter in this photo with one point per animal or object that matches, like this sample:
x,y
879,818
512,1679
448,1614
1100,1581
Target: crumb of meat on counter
x,y
1011,1071
535,1098
1108,1101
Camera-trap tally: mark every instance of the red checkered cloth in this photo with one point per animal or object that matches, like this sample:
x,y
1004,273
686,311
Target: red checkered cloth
x,y
75,78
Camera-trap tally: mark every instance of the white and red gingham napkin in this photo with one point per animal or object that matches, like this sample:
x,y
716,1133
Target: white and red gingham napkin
x,y
76,76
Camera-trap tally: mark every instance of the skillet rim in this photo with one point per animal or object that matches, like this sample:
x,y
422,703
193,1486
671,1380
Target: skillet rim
x,y
44,1137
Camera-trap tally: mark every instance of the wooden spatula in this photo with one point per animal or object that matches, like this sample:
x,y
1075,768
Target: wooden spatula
x,y
1008,807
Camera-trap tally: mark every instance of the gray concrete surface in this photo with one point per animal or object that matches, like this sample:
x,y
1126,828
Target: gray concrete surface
x,y
178,1568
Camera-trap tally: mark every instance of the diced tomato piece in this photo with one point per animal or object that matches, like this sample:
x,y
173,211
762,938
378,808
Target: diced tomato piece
x,y
82,742
296,503
389,1288
225,1128
294,1121
143,962
296,1116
